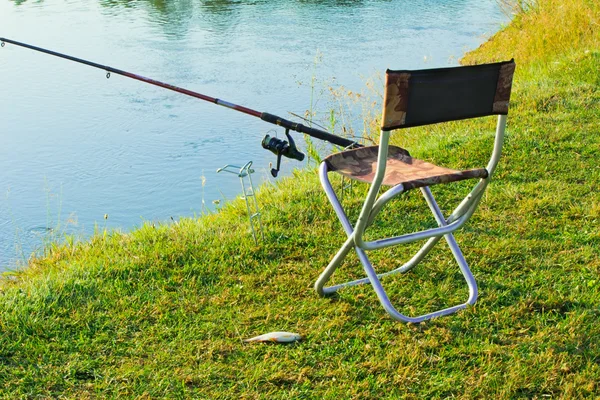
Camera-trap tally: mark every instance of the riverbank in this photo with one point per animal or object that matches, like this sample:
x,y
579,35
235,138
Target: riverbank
x,y
162,311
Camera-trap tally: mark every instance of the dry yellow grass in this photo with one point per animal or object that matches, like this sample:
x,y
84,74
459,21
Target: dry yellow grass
x,y
537,36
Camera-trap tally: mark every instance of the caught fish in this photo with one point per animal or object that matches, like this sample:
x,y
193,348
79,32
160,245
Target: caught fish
x,y
278,337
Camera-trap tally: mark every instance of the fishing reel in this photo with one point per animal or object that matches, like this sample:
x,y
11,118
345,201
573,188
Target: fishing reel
x,y
281,148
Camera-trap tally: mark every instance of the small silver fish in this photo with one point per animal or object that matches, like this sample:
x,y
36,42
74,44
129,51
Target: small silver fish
x,y
278,337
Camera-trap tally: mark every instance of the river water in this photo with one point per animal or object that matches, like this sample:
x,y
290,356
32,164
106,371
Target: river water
x,y
80,152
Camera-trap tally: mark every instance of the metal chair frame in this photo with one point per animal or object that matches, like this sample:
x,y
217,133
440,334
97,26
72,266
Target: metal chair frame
x,y
374,204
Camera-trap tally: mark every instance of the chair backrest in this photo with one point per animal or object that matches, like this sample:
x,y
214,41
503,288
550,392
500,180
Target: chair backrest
x,y
429,96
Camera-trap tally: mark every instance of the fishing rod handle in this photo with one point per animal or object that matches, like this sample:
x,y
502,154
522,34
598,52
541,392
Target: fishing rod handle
x,y
316,133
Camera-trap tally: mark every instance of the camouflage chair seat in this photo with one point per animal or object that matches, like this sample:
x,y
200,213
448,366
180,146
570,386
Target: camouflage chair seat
x,y
415,98
360,164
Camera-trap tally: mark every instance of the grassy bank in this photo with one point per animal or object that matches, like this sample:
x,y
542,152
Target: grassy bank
x,y
160,312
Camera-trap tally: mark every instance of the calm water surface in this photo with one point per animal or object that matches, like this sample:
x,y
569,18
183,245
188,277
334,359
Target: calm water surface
x,y
75,146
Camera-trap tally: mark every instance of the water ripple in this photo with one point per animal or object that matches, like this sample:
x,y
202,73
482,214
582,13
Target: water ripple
x,y
77,144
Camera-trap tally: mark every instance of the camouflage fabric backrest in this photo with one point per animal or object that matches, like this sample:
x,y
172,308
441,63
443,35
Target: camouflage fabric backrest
x,y
430,96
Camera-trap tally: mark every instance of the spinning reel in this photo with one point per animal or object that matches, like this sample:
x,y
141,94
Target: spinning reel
x,y
281,148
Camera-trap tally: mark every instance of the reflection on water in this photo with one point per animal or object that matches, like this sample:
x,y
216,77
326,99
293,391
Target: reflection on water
x,y
76,146
179,16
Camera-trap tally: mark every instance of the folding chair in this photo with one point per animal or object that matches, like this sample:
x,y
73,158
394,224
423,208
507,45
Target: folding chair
x,y
414,98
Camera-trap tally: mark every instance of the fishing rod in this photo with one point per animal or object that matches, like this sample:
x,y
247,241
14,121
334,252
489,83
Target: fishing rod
x,y
277,146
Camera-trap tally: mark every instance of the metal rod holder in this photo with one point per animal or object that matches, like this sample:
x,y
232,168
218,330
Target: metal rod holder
x,y
247,192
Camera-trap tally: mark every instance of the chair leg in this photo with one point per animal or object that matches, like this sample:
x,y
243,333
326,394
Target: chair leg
x,y
330,269
345,249
372,277
387,304
410,264
456,252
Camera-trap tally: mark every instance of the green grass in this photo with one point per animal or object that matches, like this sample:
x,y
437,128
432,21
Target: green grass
x,y
161,312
